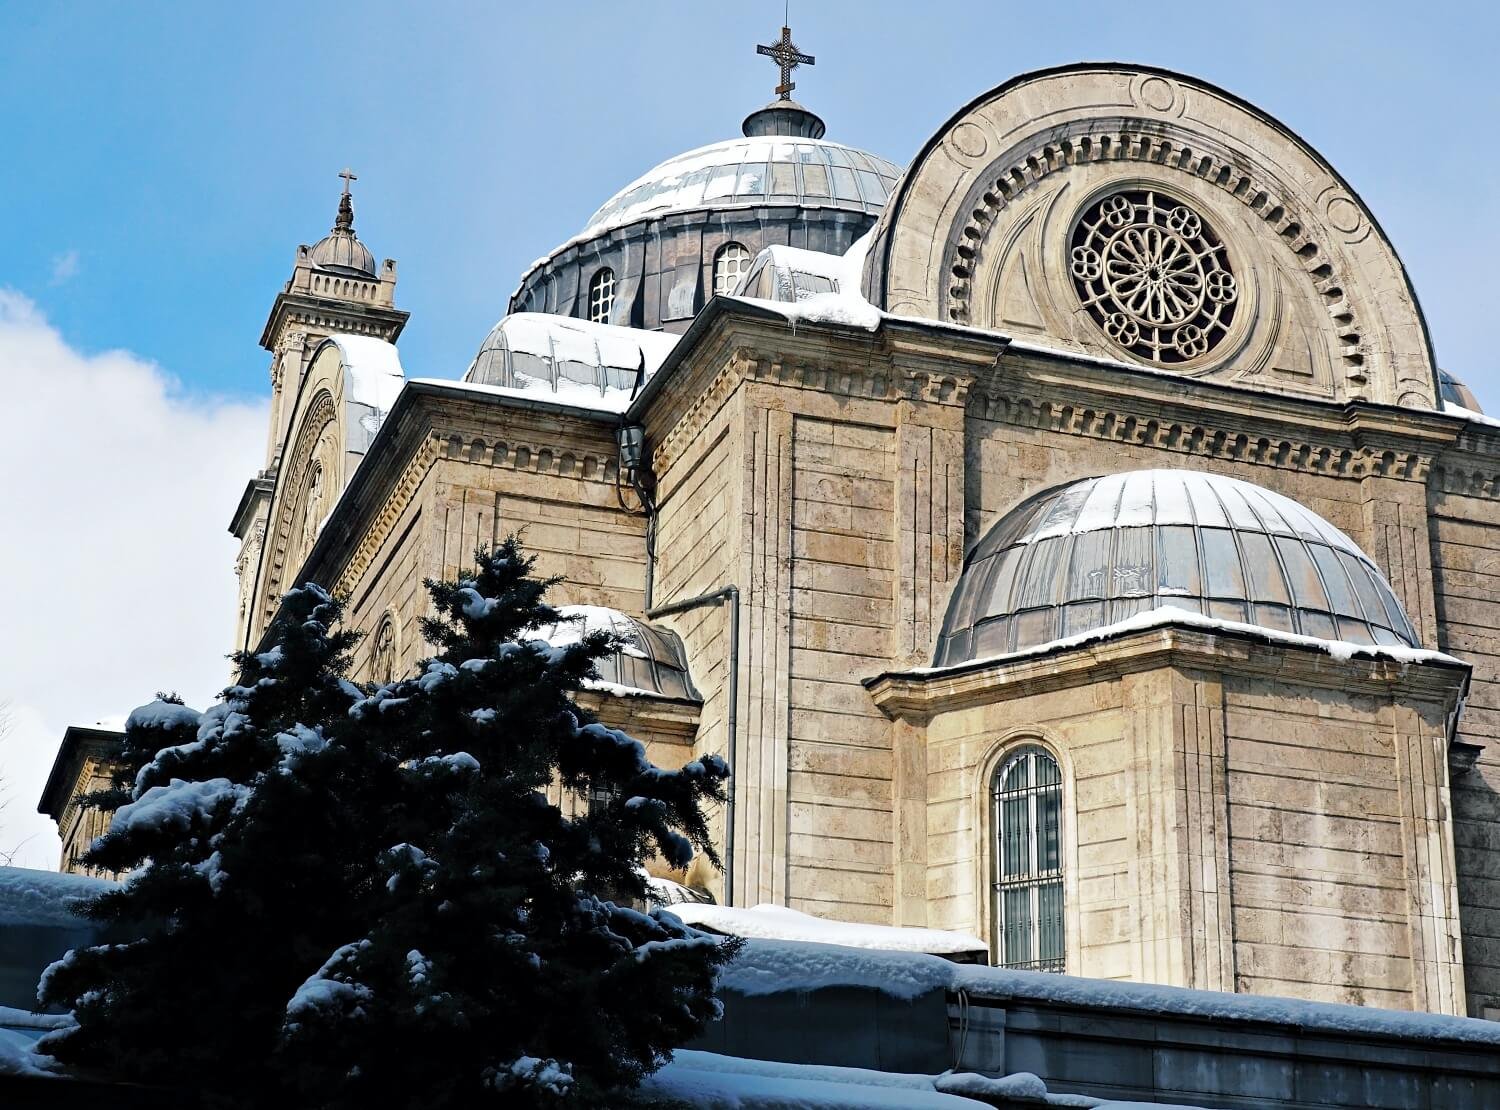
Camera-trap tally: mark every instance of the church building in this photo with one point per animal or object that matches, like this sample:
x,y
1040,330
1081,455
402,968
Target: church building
x,y
1068,538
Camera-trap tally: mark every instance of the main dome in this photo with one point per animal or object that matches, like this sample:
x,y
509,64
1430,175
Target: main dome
x,y
1097,551
751,171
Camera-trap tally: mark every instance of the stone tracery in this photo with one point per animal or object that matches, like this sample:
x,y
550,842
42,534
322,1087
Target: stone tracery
x,y
1153,276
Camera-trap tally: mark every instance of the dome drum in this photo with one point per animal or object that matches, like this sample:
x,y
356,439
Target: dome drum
x,y
1102,550
658,238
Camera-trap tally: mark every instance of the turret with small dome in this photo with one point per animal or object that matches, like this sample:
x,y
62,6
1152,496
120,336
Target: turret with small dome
x,y
656,251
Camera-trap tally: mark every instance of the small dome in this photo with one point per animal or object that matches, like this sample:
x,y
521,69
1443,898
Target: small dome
x,y
340,251
569,361
1102,550
650,660
1453,392
754,170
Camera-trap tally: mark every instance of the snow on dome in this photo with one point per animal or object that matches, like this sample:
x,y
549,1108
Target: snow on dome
x,y
650,660
1102,550
576,362
751,171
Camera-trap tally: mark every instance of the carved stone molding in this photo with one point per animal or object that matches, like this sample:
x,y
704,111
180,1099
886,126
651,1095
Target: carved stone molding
x,y
1201,438
318,418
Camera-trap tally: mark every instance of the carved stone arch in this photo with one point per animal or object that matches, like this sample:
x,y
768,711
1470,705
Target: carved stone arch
x,y
315,450
981,228
385,647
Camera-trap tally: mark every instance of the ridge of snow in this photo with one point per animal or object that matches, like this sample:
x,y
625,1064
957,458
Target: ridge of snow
x,y
1470,415
770,967
374,369
48,898
567,394
1173,615
769,922
733,1082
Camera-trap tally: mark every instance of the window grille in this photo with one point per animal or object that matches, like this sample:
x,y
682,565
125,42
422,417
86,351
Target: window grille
x,y
1026,804
730,265
601,296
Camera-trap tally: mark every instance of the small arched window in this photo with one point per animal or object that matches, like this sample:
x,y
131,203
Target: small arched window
x,y
1026,811
730,264
601,295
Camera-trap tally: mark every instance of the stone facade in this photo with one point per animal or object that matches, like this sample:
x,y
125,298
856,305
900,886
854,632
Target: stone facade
x,y
1240,811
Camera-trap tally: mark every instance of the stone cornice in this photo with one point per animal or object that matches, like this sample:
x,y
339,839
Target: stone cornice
x,y
741,342
650,716
302,311
917,695
1076,395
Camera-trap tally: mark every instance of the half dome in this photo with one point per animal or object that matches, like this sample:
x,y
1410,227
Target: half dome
x,y
753,170
1101,550
651,660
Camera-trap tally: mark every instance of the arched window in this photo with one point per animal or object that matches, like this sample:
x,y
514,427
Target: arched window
x,y
730,264
601,295
1026,801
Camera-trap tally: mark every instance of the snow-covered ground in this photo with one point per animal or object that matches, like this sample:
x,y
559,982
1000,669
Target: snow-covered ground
x,y
705,1079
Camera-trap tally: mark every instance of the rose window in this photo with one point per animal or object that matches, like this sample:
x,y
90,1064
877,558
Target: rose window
x,y
1153,276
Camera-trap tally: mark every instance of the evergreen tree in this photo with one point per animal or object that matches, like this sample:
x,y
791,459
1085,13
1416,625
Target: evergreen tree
x,y
357,897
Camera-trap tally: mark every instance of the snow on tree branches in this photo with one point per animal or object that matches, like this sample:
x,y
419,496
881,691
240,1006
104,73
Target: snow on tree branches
x,y
358,896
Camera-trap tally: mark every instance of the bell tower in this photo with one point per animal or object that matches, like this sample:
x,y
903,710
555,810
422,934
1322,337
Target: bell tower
x,y
335,288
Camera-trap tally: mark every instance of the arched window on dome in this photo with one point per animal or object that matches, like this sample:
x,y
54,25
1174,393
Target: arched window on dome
x,y
731,263
601,295
1026,799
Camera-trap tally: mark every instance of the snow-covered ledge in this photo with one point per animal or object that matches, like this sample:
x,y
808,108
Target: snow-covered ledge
x,y
1167,636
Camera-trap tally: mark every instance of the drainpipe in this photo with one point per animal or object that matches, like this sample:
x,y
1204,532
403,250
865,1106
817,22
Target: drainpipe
x,y
731,595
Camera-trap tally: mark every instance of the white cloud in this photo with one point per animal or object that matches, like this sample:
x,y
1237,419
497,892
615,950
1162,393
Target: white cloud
x,y
116,574
65,266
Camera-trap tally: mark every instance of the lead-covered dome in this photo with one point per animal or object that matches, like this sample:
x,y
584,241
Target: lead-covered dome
x,y
1101,550
750,171
340,251
650,660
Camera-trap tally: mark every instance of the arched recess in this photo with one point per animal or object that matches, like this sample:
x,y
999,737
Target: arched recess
x,y
980,227
986,862
350,384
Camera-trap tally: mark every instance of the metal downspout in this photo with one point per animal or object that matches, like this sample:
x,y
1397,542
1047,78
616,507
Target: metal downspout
x,y
730,594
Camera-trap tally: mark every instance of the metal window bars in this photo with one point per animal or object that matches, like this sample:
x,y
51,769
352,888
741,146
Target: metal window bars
x,y
1027,884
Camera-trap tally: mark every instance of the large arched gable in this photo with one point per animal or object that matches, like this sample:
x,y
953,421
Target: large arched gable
x,y
1005,221
350,385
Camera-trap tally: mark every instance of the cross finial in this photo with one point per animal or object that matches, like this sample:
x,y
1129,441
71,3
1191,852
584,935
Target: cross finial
x,y
348,175
786,55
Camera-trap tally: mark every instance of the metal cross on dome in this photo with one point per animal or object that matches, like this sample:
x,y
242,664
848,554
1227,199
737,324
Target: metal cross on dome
x,y
348,175
788,57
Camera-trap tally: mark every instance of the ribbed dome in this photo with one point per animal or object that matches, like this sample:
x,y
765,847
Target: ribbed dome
x,y
571,361
750,171
340,250
650,659
1101,550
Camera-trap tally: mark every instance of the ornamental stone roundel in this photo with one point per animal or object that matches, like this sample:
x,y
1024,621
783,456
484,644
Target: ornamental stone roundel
x,y
1153,276
1130,213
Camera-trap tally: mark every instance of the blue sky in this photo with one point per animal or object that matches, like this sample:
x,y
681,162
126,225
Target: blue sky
x,y
164,160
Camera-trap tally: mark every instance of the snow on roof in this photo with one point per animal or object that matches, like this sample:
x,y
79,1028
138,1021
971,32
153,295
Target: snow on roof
x,y
1470,415
735,172
374,369
558,359
29,897
771,967
769,922
790,290
1172,615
